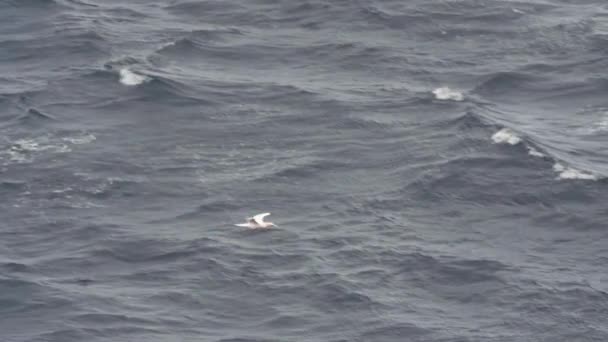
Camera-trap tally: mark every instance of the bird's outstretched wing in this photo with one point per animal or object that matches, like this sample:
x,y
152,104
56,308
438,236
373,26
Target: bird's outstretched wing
x,y
259,218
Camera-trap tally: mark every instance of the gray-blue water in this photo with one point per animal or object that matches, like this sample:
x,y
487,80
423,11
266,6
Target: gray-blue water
x,y
436,168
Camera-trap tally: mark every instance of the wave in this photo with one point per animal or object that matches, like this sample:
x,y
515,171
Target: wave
x,y
100,90
195,43
26,296
129,78
84,47
507,136
81,3
517,130
367,123
281,170
504,83
393,19
33,117
396,331
307,170
13,185
571,173
32,112
203,49
215,35
101,187
191,52
445,93
178,47
14,267
141,252
469,121
197,9
43,4
174,90
80,139
540,90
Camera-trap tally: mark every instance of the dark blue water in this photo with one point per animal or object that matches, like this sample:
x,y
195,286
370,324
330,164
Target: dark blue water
x,y
437,170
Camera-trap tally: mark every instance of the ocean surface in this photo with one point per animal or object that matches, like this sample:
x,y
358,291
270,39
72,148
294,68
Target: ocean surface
x,y
437,170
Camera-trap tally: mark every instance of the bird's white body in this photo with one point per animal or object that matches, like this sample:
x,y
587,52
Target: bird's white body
x,y
256,222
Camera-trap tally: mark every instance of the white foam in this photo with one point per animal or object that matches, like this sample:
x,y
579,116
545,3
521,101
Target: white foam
x,y
506,136
25,145
534,152
445,93
129,78
557,167
16,156
84,139
60,191
29,145
23,150
570,173
603,124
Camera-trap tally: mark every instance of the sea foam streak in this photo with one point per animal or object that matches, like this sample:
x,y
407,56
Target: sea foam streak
x,y
23,150
445,93
83,139
129,78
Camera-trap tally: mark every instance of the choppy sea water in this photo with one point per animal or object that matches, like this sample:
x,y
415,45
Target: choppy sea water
x,y
437,170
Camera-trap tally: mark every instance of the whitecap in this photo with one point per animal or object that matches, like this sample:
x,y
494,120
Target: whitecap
x,y
129,78
445,93
570,173
506,136
557,167
534,152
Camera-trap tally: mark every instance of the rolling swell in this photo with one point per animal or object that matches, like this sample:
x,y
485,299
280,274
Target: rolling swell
x,y
436,170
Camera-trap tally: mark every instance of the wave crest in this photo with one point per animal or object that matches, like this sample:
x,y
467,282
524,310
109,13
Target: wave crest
x,y
445,93
129,78
506,136
571,173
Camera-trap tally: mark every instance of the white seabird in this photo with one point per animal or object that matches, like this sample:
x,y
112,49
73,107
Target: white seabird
x,y
257,221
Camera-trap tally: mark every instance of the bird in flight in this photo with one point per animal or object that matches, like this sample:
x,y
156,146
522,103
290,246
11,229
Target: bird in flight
x,y
257,221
